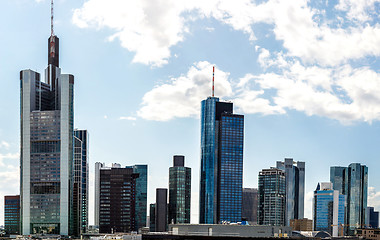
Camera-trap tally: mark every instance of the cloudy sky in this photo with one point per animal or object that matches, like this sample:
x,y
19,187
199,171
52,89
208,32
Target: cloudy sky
x,y
304,73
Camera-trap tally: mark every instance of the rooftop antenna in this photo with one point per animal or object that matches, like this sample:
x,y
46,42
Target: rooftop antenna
x,y
213,73
52,18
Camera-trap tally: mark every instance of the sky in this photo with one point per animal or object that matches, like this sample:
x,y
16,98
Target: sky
x,y
305,74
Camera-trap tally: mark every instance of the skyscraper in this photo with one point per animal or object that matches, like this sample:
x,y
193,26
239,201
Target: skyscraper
x,y
249,205
352,182
47,117
12,214
80,190
98,166
271,209
295,188
161,210
372,218
117,200
221,177
328,209
141,194
179,191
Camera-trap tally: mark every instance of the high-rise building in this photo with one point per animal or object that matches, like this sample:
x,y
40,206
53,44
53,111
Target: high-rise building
x,y
47,119
295,188
98,166
372,220
141,194
152,217
271,209
179,191
80,189
161,210
328,209
12,214
117,200
221,177
249,205
352,182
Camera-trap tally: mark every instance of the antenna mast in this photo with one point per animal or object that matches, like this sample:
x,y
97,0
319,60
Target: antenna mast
x,y
213,73
52,18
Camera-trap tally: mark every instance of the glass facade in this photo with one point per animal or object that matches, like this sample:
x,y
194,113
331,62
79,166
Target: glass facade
x,y
141,195
352,181
329,207
179,192
47,119
222,137
12,214
249,205
271,206
295,188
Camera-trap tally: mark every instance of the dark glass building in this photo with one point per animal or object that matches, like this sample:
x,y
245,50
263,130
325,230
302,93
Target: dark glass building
x,y
161,210
152,217
221,177
272,194
117,200
249,205
80,189
295,188
141,195
12,214
47,134
179,191
352,182
372,218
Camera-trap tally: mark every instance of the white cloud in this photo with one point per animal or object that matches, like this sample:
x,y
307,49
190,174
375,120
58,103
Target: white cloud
x,y
4,144
359,10
128,118
308,205
181,96
373,198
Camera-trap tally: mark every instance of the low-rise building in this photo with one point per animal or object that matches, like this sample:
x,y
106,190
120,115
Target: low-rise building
x,y
301,224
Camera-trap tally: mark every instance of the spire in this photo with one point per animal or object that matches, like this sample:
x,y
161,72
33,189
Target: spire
x,y
52,18
213,72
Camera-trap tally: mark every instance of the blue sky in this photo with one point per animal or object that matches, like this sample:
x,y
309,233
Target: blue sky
x,y
304,73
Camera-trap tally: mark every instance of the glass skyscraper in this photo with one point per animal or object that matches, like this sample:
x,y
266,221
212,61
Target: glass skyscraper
x,y
47,117
295,188
141,194
272,194
179,191
328,209
12,214
352,182
222,139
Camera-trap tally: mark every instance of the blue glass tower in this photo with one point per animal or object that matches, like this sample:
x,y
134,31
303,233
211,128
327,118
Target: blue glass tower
x,y
328,209
222,139
141,195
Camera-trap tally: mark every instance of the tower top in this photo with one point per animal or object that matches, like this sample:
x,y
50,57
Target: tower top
x,y
213,73
52,18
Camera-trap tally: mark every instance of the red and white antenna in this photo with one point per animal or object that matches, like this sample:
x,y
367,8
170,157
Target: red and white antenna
x,y
213,73
52,18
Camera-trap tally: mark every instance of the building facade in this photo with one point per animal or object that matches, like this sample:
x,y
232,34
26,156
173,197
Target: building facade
x,y
141,195
117,200
328,209
161,210
272,194
152,217
352,182
301,224
295,188
81,182
221,177
12,214
372,220
249,205
98,166
47,119
179,191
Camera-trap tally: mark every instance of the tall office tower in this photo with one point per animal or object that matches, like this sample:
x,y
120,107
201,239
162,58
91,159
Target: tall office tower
x,y
295,188
141,195
179,191
372,218
161,210
47,117
12,214
117,200
271,206
98,166
328,209
249,205
221,177
152,217
80,189
352,182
